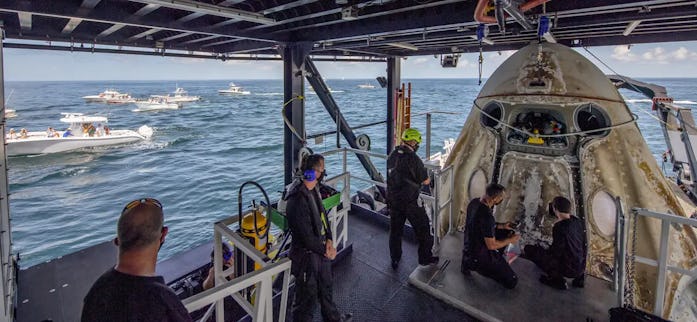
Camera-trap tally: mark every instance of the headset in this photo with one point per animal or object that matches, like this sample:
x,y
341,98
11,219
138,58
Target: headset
x,y
309,175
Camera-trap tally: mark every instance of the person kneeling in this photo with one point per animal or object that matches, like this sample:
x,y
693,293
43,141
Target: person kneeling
x,y
567,255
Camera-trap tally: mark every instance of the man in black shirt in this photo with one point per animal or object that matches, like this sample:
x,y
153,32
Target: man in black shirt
x,y
131,291
406,174
567,255
312,249
481,250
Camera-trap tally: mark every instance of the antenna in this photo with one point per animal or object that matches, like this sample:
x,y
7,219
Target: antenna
x,y
8,97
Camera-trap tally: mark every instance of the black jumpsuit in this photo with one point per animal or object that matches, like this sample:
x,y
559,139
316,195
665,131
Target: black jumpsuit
x,y
406,173
312,270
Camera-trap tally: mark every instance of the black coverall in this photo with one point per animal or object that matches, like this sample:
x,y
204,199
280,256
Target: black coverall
x,y
312,270
567,255
480,224
406,173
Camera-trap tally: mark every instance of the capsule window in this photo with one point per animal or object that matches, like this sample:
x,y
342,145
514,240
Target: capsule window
x,y
591,117
495,114
604,211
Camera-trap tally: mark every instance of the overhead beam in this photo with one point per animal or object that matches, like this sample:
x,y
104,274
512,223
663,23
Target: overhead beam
x,y
193,41
177,36
287,6
86,6
148,8
175,54
143,34
116,15
210,9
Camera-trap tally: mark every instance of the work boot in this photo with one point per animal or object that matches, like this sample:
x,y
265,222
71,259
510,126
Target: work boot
x,y
559,284
579,282
395,264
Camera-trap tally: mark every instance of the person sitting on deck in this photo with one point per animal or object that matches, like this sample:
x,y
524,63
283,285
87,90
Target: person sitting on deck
x,y
228,261
481,251
51,133
68,132
23,134
12,134
107,131
131,291
567,255
100,129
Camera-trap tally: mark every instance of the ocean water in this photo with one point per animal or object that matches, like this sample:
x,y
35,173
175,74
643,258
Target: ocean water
x,y
200,155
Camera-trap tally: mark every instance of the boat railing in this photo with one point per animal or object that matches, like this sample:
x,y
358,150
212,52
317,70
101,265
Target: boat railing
x,y
661,263
260,305
442,178
338,215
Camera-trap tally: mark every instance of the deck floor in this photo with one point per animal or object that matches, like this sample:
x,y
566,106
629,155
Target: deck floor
x,y
366,285
486,300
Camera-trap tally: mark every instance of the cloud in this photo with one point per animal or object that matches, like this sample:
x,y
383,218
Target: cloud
x,y
420,60
622,53
656,55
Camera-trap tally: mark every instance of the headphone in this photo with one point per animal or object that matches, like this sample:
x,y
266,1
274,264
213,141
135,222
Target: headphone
x,y
309,175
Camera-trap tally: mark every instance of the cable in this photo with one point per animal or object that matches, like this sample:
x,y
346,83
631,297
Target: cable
x,y
633,120
285,119
635,88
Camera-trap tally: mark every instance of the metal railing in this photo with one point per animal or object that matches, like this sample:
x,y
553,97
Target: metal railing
x,y
260,306
338,216
438,178
661,263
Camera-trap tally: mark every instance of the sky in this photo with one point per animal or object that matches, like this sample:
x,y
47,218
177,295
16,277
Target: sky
x,y
639,61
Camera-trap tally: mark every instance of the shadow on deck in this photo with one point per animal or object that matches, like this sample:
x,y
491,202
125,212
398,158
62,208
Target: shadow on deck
x,y
485,299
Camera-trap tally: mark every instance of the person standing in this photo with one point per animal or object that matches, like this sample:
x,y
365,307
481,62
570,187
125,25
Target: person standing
x,y
567,255
312,249
406,174
481,251
131,291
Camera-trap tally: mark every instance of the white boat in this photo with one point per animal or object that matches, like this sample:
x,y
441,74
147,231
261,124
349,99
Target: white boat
x,y
109,96
155,104
233,90
180,96
366,85
76,136
312,90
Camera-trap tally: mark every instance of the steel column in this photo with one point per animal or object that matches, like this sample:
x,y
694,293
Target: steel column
x,y
393,81
294,55
7,264
322,91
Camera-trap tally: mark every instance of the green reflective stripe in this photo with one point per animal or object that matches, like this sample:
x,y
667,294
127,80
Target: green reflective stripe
x,y
324,223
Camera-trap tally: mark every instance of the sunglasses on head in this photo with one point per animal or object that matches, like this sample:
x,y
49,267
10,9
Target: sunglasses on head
x,y
138,202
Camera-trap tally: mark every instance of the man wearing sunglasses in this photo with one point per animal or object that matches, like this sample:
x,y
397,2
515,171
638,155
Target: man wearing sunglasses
x,y
131,291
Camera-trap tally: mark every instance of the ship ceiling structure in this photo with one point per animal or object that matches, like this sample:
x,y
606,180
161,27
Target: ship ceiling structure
x,y
231,29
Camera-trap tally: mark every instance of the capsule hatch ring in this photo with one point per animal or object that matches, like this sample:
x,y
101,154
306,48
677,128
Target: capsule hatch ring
x,y
589,117
492,115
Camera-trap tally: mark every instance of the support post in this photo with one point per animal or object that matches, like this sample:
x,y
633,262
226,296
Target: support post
x,y
294,55
428,136
322,91
393,81
685,136
7,262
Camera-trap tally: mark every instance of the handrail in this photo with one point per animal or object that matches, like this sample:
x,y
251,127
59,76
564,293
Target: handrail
x,y
438,173
662,261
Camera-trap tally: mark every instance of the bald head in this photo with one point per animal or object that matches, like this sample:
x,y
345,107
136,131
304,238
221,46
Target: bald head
x,y
140,227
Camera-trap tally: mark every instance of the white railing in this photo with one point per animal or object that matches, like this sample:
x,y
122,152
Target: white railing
x,y
340,216
661,263
259,307
441,177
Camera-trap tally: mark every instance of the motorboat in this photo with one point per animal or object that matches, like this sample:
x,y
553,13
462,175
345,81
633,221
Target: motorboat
x,y
155,104
180,96
82,132
233,90
110,96
366,86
